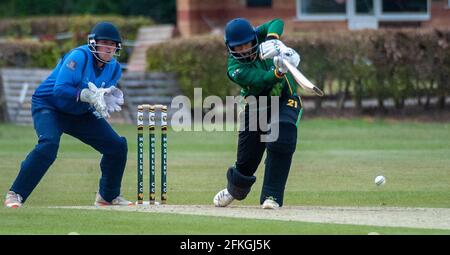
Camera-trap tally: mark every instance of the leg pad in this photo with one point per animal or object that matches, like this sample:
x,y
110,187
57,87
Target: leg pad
x,y
239,185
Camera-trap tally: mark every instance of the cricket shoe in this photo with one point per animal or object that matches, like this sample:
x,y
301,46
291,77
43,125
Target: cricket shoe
x,y
223,198
118,201
270,203
13,200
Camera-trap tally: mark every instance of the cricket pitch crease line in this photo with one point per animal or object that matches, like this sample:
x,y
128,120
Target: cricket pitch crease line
x,y
408,217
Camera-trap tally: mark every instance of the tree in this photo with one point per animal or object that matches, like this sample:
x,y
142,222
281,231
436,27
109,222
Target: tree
x,y
160,11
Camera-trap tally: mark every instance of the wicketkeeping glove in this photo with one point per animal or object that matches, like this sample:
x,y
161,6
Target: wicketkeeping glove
x,y
114,99
95,97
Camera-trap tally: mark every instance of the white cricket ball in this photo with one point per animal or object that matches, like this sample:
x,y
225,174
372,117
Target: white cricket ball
x,y
380,180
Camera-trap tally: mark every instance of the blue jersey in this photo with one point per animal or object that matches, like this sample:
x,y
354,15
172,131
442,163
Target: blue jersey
x,y
61,90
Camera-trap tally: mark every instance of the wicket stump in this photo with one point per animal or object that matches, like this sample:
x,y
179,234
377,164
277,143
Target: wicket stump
x,y
140,155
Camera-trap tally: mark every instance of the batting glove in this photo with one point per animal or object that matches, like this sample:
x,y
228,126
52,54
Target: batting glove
x,y
271,48
278,62
291,56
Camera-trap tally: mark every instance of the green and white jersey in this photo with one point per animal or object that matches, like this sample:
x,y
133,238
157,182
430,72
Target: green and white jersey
x,y
260,78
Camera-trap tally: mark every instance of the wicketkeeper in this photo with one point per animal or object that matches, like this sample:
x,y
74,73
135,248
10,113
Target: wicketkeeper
x,y
75,99
255,64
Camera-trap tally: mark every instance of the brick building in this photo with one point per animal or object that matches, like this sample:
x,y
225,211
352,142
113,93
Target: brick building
x,y
204,16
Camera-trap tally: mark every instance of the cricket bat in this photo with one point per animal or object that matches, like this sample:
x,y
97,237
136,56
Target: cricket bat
x,y
301,79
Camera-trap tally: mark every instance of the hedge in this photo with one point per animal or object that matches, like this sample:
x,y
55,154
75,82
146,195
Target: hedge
x,y
45,28
28,54
78,25
381,64
198,62
396,64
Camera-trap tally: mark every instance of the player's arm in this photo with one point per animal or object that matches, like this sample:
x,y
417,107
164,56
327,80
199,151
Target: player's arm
x,y
269,35
68,81
270,30
252,78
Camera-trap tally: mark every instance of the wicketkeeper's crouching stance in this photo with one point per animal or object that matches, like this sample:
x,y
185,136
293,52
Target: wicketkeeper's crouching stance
x,y
75,99
255,63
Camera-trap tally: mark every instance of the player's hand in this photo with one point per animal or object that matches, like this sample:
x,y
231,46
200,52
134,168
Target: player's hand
x,y
95,97
114,99
278,62
291,56
271,48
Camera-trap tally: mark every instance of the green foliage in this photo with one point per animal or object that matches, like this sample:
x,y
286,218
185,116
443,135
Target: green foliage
x,y
27,53
199,62
380,64
160,11
78,27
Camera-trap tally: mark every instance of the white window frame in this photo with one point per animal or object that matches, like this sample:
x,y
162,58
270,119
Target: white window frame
x,y
378,13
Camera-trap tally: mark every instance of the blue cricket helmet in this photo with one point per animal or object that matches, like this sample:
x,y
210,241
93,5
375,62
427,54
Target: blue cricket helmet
x,y
239,31
104,31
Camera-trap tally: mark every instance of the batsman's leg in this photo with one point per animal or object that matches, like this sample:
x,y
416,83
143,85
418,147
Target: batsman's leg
x,y
279,154
241,176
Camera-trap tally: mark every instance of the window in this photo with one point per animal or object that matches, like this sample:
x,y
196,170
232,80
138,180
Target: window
x,y
319,10
404,6
364,6
381,10
259,3
404,10
323,7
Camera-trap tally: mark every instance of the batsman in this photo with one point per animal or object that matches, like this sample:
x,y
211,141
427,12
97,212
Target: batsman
x,y
255,63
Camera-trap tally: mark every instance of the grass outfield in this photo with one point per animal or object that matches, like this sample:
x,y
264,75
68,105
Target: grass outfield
x,y
335,164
